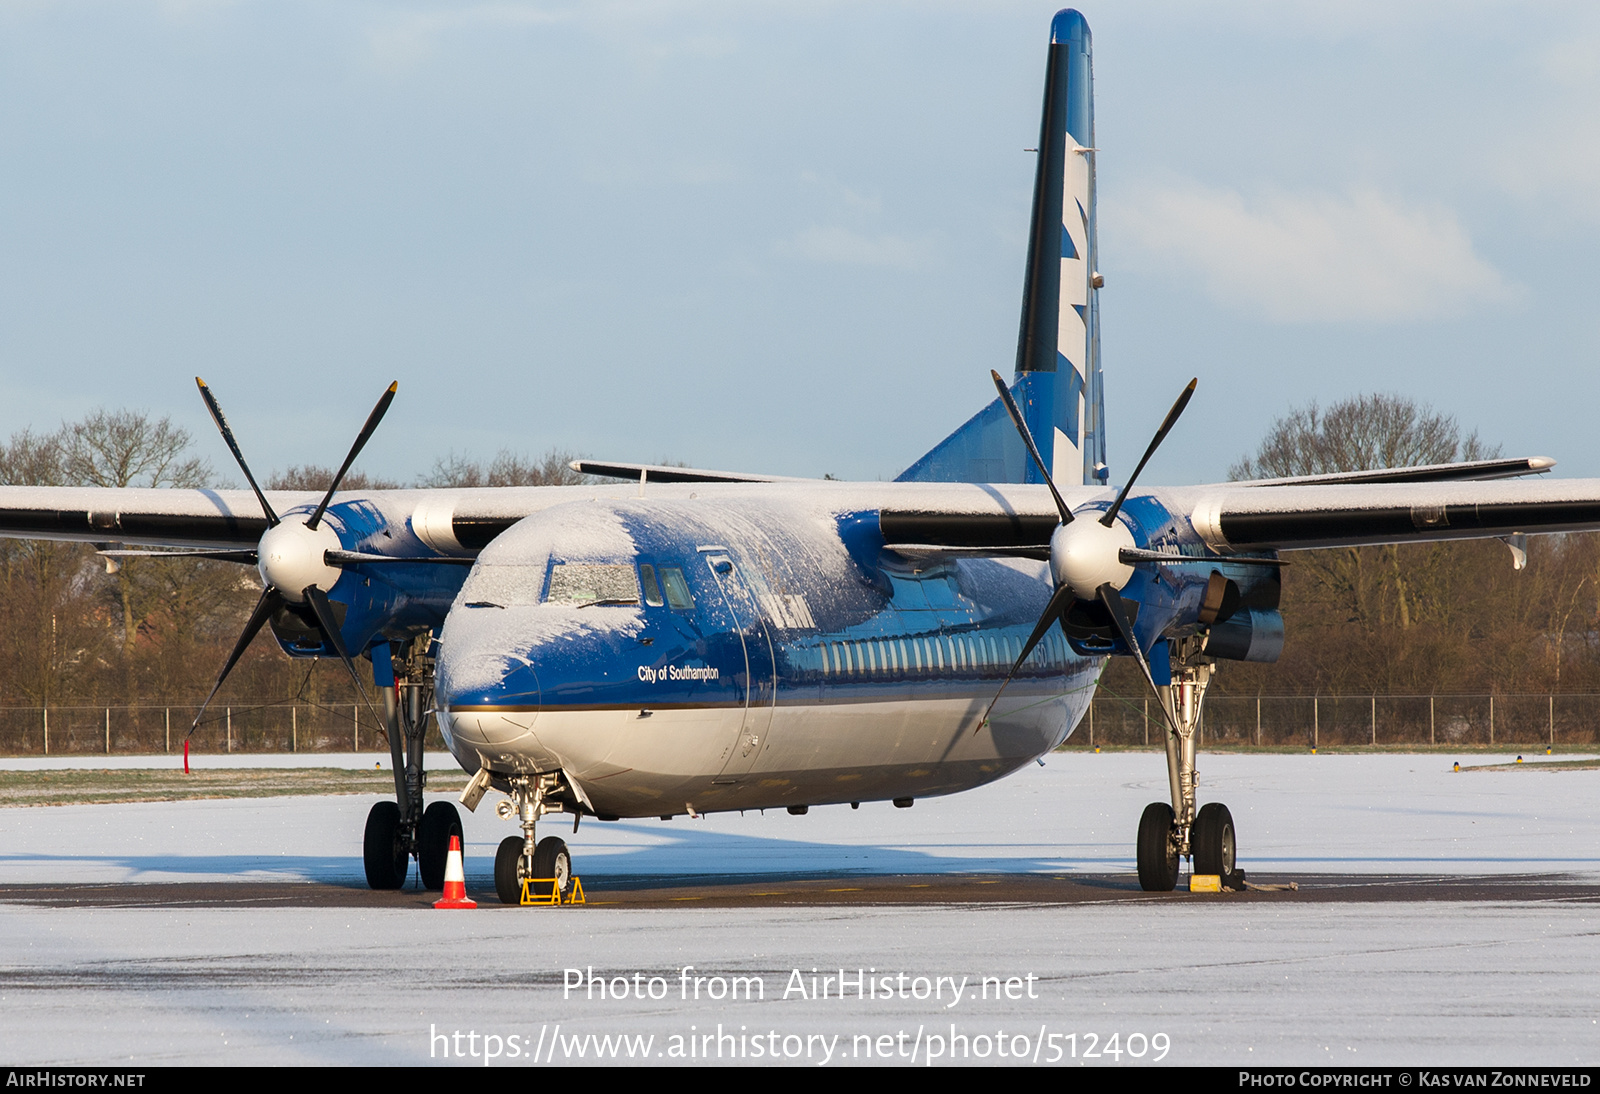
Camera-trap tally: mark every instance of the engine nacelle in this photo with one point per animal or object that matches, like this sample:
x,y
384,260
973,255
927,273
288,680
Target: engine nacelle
x,y
1250,634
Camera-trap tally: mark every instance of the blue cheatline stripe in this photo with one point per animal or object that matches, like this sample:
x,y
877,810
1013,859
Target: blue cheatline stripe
x,y
1067,248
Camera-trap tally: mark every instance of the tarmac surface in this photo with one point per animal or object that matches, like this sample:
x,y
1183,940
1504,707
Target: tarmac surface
x,y
846,890
1440,919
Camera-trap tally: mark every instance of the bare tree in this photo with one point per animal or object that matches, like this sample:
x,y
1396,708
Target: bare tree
x,y
47,610
1359,434
127,448
506,469
317,479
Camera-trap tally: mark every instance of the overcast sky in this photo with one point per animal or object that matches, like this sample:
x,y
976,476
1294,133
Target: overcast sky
x,y
785,237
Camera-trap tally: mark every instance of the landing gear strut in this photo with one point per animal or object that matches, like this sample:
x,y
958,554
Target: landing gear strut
x,y
1170,833
400,829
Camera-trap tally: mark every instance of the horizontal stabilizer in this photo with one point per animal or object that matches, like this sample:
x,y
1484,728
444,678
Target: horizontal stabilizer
x,y
661,473
1469,471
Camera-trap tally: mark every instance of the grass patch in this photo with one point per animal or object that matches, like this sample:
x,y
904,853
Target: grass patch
x,y
1591,764
94,787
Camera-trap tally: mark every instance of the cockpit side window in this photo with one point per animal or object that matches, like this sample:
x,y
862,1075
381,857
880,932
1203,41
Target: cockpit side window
x,y
652,591
677,588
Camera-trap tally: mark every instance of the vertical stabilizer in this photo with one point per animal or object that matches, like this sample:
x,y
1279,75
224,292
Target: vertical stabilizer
x,y
1058,379
1059,339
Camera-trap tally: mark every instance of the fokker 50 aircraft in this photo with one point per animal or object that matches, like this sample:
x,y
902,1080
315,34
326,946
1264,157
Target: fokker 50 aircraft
x,y
694,641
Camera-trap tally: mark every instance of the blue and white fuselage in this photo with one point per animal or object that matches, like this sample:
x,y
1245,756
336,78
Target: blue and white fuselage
x,y
735,649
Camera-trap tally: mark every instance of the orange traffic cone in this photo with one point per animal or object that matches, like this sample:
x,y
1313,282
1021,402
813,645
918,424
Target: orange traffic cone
x,y
455,880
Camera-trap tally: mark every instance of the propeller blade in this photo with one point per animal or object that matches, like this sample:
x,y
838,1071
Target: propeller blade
x,y
361,558
355,450
271,600
1131,555
246,556
233,446
330,627
1112,600
1155,443
1040,552
1052,612
1033,449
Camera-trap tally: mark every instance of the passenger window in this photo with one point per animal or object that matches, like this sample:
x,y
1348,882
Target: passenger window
x,y
652,591
677,588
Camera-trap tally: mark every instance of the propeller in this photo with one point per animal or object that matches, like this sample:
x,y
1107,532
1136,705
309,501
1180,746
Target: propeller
x,y
299,560
1090,560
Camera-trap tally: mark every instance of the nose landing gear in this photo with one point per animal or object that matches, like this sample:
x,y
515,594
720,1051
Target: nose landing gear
x,y
520,858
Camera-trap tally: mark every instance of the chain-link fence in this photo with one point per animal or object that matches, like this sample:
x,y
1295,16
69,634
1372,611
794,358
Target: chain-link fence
x,y
1271,721
150,728
1312,721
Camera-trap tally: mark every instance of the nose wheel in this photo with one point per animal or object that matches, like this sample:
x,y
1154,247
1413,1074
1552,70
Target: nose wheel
x,y
551,863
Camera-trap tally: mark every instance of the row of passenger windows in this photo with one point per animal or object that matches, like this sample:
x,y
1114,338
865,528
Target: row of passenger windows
x,y
937,655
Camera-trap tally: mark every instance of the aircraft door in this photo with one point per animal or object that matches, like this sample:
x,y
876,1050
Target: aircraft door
x,y
761,691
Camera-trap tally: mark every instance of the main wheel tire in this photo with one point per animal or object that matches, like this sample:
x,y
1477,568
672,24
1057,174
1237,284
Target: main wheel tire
x,y
1212,841
552,859
1158,854
508,870
384,848
440,821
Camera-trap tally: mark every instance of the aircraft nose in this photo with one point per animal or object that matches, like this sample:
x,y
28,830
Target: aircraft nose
x,y
487,703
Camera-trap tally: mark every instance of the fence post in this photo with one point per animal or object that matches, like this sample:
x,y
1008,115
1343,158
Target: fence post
x,y
1374,718
1147,723
294,728
1430,721
1316,718
230,729
169,728
1552,721
46,730
1258,720
1091,721
1491,721
355,728
108,731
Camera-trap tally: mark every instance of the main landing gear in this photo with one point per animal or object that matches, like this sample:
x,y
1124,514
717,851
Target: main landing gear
x,y
1170,833
398,830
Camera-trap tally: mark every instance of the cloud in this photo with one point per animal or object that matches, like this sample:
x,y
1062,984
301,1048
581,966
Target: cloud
x,y
1312,257
842,246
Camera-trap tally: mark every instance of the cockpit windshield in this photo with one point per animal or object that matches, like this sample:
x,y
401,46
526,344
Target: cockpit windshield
x,y
583,583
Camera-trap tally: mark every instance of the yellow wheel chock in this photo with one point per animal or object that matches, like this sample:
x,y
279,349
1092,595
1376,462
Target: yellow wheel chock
x,y
547,891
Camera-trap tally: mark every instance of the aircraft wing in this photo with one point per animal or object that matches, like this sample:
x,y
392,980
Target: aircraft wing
x,y
1229,518
177,518
449,520
1288,518
1239,517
